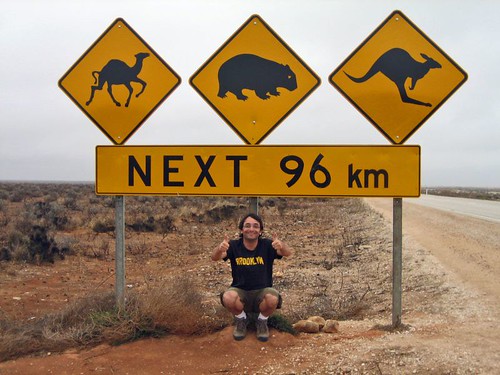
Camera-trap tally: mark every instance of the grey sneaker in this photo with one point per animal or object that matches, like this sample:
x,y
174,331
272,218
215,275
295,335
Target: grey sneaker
x,y
262,330
240,328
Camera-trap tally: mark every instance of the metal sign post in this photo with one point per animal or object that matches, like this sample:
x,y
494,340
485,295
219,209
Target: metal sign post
x,y
253,205
119,52
393,53
120,250
397,260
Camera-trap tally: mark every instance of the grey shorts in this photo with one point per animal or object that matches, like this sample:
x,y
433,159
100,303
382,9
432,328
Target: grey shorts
x,y
252,298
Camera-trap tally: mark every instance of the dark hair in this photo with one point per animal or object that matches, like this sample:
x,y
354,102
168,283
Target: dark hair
x,y
253,216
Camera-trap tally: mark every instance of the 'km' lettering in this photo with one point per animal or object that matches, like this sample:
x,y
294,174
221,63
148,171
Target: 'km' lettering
x,y
361,177
170,169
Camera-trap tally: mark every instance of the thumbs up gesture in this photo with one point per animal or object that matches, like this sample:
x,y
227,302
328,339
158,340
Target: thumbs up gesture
x,y
277,244
220,251
224,245
281,247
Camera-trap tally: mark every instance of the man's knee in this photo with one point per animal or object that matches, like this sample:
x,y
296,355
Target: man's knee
x,y
228,298
270,301
231,300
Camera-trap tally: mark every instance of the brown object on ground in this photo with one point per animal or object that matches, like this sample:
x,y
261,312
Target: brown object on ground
x,y
306,326
318,319
331,326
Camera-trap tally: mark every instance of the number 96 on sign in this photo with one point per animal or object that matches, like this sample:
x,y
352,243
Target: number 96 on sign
x,y
323,171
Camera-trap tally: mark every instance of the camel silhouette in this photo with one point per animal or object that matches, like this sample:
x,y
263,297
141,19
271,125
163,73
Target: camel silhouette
x,y
116,72
398,65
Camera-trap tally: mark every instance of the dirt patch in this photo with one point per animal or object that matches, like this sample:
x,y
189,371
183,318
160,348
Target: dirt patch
x,y
450,317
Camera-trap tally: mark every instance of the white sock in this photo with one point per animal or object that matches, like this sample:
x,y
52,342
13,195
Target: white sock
x,y
242,315
262,317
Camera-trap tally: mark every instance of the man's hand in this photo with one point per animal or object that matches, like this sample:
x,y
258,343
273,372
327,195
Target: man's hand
x,y
280,247
224,245
220,251
277,244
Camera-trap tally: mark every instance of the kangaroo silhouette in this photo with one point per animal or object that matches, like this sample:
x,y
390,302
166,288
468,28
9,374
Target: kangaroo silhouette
x,y
116,72
398,65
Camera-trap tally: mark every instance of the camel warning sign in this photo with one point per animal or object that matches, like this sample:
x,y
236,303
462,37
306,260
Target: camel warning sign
x,y
119,81
254,81
397,78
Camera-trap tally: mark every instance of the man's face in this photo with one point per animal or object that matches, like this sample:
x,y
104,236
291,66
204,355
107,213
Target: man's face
x,y
251,229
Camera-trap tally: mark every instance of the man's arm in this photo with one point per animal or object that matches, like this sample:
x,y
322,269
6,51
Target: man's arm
x,y
220,252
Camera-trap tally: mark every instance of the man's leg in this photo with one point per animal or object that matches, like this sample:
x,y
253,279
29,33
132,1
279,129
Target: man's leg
x,y
232,301
267,306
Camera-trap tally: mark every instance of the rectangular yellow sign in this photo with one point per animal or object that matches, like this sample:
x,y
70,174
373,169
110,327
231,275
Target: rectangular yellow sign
x,y
322,171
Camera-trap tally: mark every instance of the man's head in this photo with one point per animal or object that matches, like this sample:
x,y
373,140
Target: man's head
x,y
251,220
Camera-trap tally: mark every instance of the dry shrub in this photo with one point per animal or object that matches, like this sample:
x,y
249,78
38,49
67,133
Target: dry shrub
x,y
137,246
54,332
172,307
176,306
16,342
104,226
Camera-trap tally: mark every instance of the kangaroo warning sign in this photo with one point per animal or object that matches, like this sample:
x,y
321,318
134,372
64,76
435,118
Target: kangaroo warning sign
x,y
254,80
397,78
119,81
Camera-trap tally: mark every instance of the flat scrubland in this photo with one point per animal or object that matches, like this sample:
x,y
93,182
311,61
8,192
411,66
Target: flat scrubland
x,y
492,194
50,227
57,280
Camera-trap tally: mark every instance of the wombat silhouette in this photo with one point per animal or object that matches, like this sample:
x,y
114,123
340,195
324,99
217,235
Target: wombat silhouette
x,y
116,72
398,65
252,72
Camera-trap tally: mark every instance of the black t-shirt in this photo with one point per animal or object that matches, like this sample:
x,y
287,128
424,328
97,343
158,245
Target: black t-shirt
x,y
252,269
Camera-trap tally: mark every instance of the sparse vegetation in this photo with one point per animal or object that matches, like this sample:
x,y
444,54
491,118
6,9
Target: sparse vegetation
x,y
343,271
96,319
474,193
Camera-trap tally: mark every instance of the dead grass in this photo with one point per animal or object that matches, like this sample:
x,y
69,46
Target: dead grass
x,y
331,277
167,308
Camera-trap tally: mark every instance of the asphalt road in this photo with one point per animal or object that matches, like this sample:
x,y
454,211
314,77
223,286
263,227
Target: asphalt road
x,y
483,209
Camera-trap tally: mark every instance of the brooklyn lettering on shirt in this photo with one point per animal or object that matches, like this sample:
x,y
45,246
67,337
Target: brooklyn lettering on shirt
x,y
252,261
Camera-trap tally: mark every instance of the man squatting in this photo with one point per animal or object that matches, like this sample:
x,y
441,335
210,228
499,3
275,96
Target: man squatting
x,y
252,258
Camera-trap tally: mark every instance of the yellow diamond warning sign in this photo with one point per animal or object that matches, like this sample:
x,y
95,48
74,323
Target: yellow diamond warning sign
x,y
254,80
119,81
397,78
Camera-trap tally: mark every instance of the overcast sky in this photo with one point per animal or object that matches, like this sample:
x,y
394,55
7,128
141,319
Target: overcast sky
x,y
45,136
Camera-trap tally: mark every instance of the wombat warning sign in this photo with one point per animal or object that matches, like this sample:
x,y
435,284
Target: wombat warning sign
x,y
254,81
